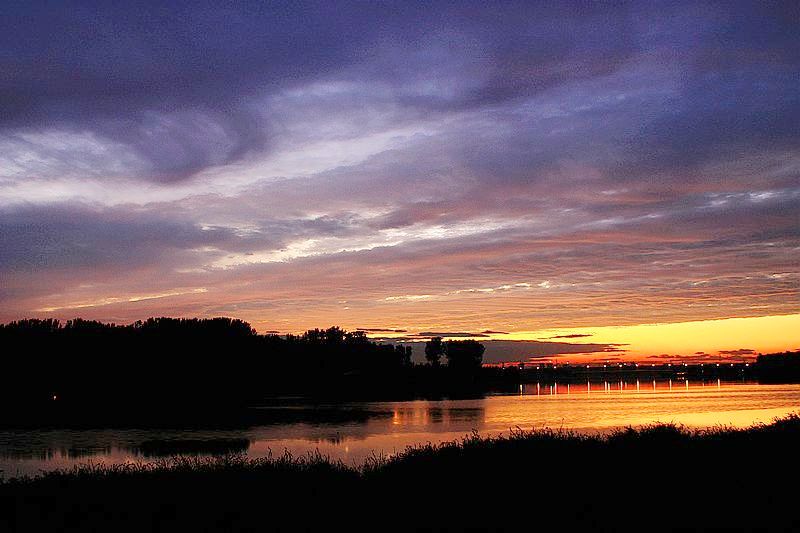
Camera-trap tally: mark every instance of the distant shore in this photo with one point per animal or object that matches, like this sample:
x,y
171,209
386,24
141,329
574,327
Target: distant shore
x,y
177,372
656,477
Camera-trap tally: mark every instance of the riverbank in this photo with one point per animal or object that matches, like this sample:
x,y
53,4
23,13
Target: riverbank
x,y
242,369
658,477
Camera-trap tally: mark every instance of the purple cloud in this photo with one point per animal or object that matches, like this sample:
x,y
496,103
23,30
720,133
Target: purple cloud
x,y
452,168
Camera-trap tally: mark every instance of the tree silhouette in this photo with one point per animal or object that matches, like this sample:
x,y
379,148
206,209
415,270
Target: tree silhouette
x,y
404,355
163,363
434,349
464,356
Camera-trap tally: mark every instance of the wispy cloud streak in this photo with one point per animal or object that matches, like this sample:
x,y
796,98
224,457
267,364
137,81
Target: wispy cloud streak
x,y
454,168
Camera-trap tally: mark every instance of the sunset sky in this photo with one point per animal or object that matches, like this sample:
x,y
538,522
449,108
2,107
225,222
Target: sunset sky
x,y
618,181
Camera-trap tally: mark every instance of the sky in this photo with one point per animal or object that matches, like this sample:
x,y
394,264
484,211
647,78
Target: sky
x,y
619,179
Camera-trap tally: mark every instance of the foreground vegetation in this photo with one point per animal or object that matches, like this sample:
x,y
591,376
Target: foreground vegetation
x,y
658,477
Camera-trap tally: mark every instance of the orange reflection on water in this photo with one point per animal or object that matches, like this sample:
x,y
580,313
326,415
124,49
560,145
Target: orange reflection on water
x,y
388,427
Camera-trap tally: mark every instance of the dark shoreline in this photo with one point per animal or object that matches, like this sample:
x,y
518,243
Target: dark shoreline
x,y
208,371
90,417
316,409
657,477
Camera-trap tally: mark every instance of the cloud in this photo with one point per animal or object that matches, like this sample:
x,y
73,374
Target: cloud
x,y
449,168
703,357
511,351
448,334
740,351
179,87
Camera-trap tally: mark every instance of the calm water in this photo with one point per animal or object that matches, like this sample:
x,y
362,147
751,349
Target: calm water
x,y
388,427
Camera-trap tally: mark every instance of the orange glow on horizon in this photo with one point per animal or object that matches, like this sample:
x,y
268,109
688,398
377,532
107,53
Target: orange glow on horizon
x,y
713,338
760,334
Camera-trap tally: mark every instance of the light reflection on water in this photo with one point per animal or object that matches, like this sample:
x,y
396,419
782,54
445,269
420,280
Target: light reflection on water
x,y
391,426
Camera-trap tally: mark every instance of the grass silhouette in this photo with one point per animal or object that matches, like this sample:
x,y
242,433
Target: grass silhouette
x,y
661,476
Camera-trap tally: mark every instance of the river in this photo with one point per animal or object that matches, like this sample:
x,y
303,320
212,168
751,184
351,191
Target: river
x,y
354,431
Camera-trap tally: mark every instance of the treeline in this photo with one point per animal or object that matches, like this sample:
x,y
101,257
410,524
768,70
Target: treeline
x,y
194,364
778,367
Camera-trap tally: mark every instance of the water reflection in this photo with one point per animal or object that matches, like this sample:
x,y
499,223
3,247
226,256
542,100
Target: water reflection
x,y
670,385
46,453
424,414
170,447
388,427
